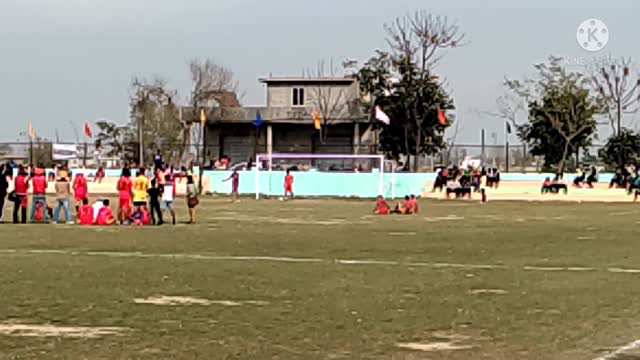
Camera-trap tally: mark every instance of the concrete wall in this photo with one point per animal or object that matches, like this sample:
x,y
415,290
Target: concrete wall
x,y
363,185
281,95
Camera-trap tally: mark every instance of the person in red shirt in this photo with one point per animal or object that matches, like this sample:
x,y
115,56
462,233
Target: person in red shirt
x,y
235,182
414,204
39,183
105,216
20,188
80,190
99,175
382,207
288,184
85,213
124,188
410,205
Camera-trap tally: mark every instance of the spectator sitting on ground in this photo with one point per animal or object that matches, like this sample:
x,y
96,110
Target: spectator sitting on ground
x,y
619,180
441,179
593,177
458,187
382,207
558,184
414,204
579,179
547,186
105,215
493,178
403,208
85,213
633,183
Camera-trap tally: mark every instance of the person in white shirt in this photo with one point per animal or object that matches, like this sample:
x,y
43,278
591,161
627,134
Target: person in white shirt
x,y
96,208
167,197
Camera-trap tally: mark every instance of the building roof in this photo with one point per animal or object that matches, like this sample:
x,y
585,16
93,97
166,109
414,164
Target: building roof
x,y
308,80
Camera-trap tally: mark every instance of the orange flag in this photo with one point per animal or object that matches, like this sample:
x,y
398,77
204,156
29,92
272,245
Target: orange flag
x,y
316,120
32,133
442,118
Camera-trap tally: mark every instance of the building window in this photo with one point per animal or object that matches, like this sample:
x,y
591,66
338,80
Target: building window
x,y
298,97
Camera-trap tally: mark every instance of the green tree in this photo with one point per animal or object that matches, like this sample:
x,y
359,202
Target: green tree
x,y
561,113
403,83
115,141
621,149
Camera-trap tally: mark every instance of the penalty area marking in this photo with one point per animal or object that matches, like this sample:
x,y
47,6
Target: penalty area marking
x,y
614,354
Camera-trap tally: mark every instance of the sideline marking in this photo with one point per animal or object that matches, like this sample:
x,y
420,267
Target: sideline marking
x,y
612,355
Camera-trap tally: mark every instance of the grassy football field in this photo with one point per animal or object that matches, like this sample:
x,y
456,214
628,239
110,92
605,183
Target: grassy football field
x,y
323,279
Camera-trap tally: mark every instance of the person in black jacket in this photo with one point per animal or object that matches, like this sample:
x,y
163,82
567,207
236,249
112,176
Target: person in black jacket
x,y
4,186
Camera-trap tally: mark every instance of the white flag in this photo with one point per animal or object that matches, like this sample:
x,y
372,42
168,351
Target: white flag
x,y
381,116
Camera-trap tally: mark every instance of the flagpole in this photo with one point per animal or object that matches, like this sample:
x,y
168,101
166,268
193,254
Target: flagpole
x,y
30,151
506,136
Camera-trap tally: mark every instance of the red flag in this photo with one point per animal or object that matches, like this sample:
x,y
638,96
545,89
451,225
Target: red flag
x,y
442,118
87,130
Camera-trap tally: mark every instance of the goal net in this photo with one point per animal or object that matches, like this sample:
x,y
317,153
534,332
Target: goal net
x,y
340,175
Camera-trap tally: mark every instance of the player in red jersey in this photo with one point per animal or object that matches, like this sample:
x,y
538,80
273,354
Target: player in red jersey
x,y
235,182
85,213
124,188
105,216
80,190
382,207
288,184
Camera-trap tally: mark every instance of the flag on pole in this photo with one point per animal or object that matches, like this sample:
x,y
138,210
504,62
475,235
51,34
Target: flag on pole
x,y
203,117
508,128
316,120
442,118
87,131
258,120
32,132
381,116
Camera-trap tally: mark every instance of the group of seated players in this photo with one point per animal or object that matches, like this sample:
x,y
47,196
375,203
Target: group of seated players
x,y
408,207
463,182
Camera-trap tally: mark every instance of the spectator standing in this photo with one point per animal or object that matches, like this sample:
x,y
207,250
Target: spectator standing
x,y
192,199
20,188
80,189
63,193
157,161
4,188
39,184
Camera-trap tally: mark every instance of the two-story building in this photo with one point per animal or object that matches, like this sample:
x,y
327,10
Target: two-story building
x,y
287,121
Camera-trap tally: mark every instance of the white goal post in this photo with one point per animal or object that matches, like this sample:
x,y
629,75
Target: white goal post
x,y
272,156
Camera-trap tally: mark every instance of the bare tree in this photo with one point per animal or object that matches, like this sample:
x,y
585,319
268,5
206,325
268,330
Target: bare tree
x,y
417,42
211,83
619,91
329,100
153,113
422,37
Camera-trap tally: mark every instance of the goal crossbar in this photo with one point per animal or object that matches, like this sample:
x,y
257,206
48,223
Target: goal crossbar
x,y
272,156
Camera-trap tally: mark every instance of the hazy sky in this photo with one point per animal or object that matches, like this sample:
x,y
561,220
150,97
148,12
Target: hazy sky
x,y
70,61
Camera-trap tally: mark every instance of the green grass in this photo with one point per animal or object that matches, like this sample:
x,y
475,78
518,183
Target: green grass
x,y
326,309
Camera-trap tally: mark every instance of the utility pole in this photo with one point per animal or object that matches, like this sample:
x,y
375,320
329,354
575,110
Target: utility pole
x,y
506,137
203,126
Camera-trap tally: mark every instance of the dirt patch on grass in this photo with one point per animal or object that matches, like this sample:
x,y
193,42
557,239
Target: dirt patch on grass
x,y
488,291
439,342
48,330
188,300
